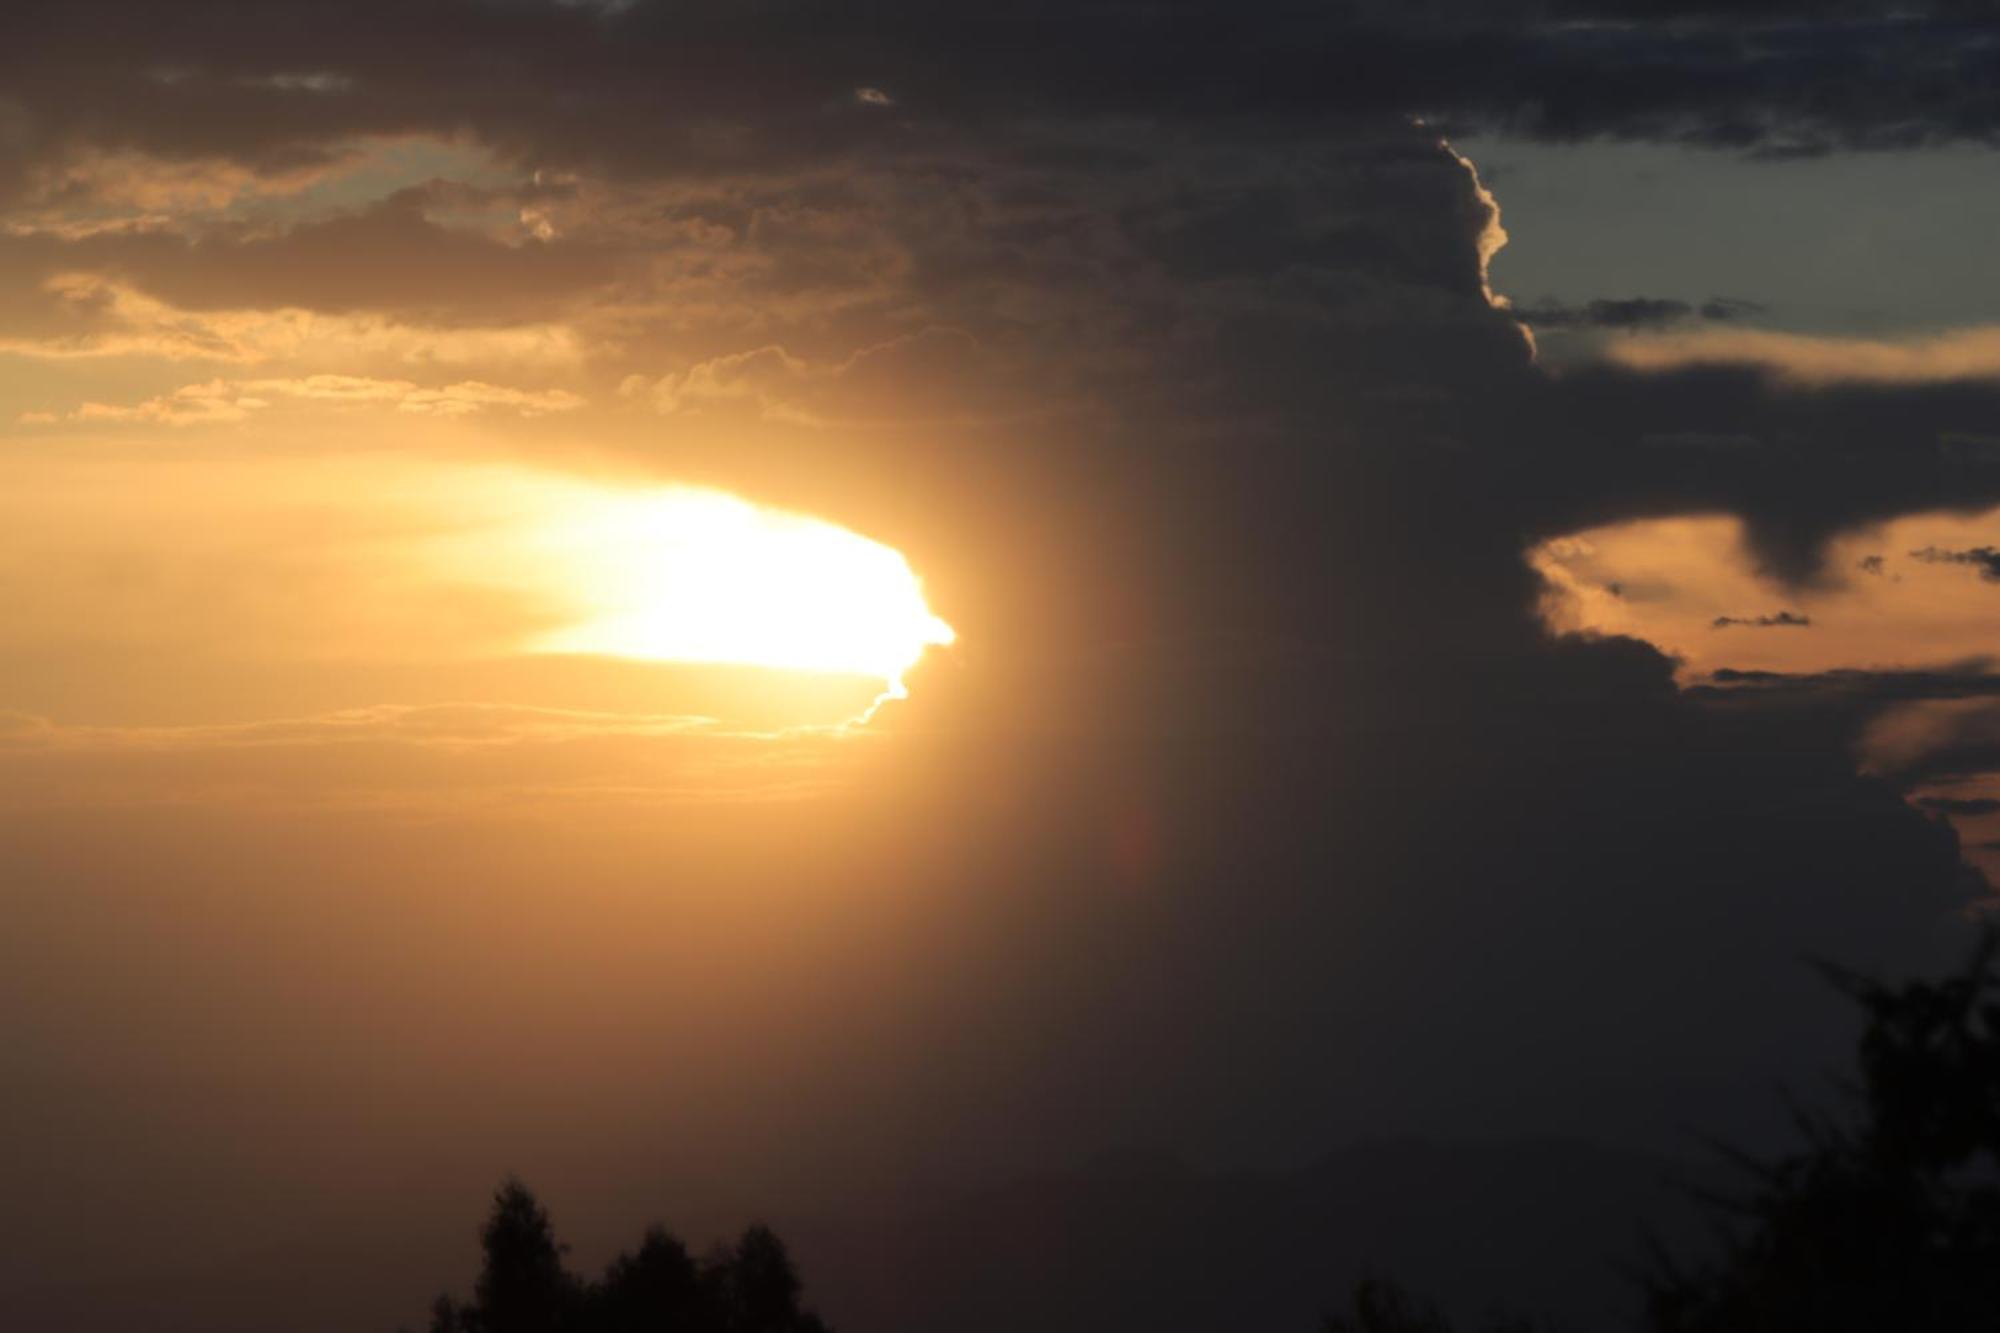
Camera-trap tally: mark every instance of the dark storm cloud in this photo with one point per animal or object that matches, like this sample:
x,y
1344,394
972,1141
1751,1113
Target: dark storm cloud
x,y
1638,312
1723,308
1867,688
1778,620
1296,419
716,86
1270,549
1985,559
1800,465
1972,753
1961,805
998,110
1915,728
1346,707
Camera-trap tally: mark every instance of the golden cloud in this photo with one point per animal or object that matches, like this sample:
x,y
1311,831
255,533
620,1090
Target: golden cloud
x,y
119,320
218,401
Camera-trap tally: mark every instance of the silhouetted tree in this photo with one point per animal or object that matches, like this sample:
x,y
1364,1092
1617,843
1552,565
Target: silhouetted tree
x,y
1378,1306
1886,1221
448,1317
522,1287
1892,1222
752,1287
761,1287
654,1288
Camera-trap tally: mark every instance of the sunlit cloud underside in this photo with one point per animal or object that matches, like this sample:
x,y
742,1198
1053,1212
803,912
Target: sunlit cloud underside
x,y
1910,593
697,576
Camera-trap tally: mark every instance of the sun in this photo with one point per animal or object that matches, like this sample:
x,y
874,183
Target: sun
x,y
682,574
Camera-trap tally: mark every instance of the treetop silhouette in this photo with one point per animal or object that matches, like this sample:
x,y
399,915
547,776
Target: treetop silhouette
x,y
523,1287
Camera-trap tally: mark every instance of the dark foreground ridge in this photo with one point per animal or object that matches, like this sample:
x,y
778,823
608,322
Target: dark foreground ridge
x,y
1887,1218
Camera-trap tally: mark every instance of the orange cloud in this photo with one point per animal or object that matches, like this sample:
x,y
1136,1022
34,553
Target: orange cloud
x,y
1688,586
937,375
218,401
111,191
118,320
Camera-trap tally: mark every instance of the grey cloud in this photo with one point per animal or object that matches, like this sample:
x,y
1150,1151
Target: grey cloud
x,y
1868,688
1638,312
1960,805
712,86
1800,466
1725,308
1777,620
1985,559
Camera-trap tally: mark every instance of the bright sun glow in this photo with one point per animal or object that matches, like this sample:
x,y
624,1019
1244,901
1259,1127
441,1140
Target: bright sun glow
x,y
685,575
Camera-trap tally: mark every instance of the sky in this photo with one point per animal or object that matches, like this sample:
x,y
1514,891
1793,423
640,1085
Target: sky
x,y
740,607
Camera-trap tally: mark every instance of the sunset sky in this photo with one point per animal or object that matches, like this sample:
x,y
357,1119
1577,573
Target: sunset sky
x,y
751,607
